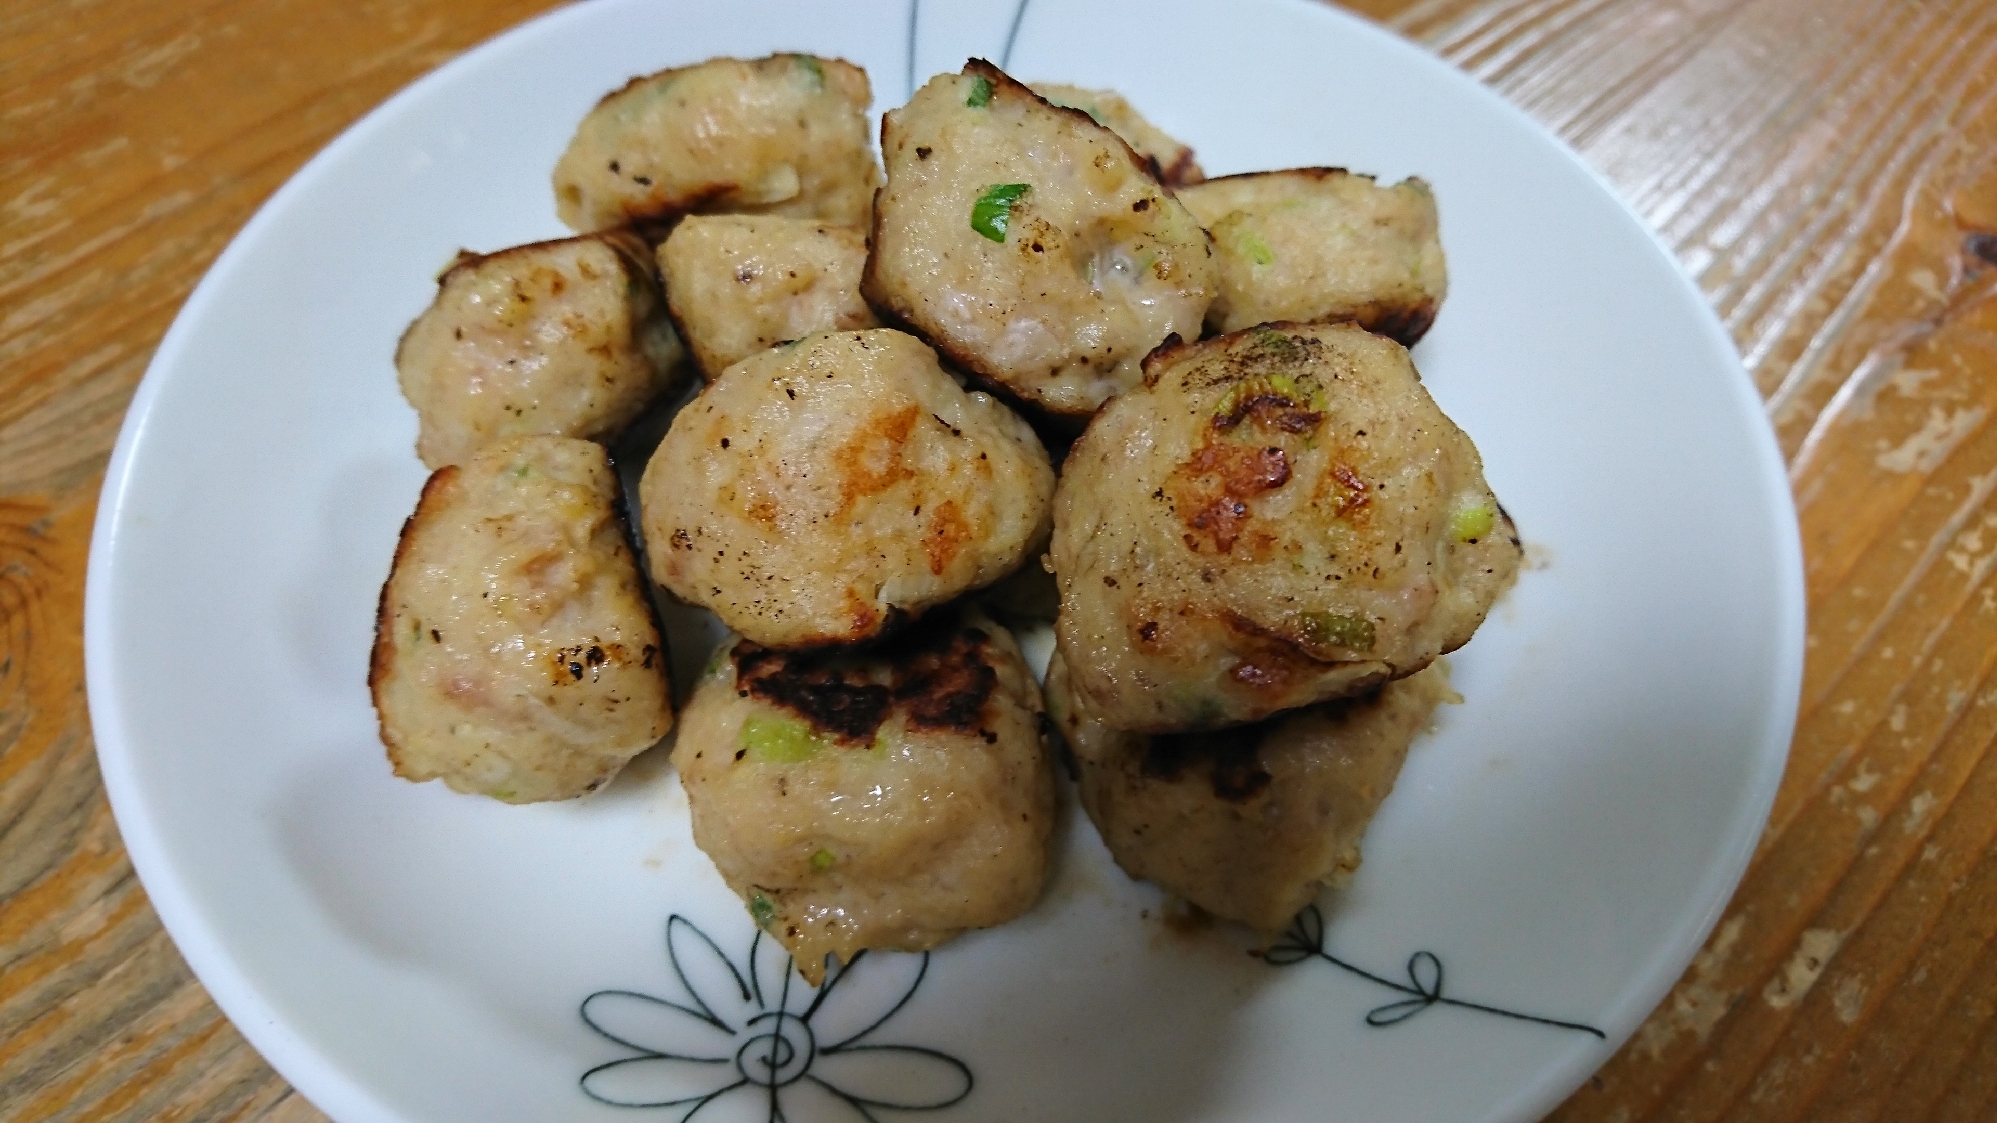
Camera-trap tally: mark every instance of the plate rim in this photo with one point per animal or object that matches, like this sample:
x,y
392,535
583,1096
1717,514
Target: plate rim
x,y
330,1086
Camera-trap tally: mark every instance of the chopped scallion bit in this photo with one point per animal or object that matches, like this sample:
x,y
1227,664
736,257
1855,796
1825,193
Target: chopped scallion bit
x,y
1338,628
761,910
1256,250
813,68
822,860
981,93
1472,521
778,740
992,213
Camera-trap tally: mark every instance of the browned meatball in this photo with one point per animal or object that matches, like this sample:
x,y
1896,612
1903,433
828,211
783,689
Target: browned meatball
x,y
1030,244
1280,516
887,799
567,339
739,284
515,654
1317,245
818,492
1253,821
782,135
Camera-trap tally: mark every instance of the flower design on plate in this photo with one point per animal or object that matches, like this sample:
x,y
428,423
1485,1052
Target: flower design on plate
x,y
757,1042
1305,940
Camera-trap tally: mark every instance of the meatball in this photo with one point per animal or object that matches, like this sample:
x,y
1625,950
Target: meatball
x,y
1029,244
1281,516
1316,245
780,135
739,284
1251,822
515,654
817,493
890,799
1171,160
565,339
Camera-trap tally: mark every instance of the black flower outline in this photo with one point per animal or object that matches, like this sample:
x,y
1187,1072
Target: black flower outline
x,y
749,1030
1005,57
1304,940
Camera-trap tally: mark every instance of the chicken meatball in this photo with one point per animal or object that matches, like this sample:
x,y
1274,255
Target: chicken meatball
x,y
563,339
891,799
1171,160
816,493
739,284
1029,244
1249,823
1280,516
515,654
1317,245
780,135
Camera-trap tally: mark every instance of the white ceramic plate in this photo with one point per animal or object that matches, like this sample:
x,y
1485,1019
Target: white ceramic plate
x,y
1560,846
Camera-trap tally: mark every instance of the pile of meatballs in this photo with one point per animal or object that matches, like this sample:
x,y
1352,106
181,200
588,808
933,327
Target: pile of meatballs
x,y
1256,534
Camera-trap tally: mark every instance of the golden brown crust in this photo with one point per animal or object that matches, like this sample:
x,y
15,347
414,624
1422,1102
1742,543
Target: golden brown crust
x,y
381,657
1270,521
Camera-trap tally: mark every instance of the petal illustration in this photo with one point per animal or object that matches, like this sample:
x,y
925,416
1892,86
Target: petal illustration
x,y
717,988
659,1082
864,995
750,1103
772,979
653,1025
1303,939
894,1076
812,1101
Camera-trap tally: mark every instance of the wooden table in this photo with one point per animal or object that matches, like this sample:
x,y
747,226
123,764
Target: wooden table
x,y
1826,169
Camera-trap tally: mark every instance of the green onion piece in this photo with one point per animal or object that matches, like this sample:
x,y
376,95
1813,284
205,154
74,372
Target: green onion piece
x,y
822,860
1337,628
521,472
762,910
813,68
778,740
1274,383
992,213
1256,250
981,93
1472,521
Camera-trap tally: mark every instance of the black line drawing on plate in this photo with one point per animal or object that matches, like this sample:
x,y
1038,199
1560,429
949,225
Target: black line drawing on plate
x,y
1304,940
758,1030
1005,56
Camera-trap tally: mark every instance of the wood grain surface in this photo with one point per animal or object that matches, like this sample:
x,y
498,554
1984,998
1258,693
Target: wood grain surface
x,y
1825,169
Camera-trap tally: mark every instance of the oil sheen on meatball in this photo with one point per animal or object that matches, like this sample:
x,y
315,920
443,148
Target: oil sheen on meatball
x,y
739,284
817,493
1249,823
1281,516
883,800
515,654
566,339
783,135
1317,245
1029,244
1172,160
